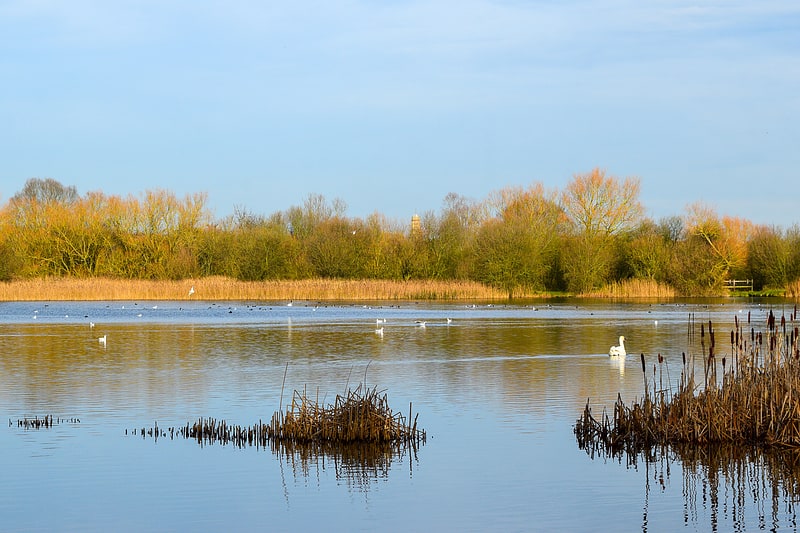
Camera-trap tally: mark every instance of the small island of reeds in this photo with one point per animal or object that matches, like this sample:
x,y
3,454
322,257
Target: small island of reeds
x,y
360,417
751,396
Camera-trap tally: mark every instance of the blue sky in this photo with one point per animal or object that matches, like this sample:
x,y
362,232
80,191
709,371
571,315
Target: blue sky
x,y
391,105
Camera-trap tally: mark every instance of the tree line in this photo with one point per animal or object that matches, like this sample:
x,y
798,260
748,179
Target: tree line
x,y
519,239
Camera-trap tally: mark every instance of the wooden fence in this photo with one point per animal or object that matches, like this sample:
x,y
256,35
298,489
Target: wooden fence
x,y
738,284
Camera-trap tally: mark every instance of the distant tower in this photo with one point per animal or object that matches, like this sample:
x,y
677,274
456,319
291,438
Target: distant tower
x,y
416,227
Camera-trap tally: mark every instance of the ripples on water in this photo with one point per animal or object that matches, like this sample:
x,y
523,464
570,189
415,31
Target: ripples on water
x,y
497,389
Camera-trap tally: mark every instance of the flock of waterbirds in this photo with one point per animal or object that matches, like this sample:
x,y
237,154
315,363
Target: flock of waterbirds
x,y
209,430
379,330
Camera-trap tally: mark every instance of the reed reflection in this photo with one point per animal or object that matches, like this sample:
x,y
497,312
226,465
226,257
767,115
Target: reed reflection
x,y
359,465
735,433
730,487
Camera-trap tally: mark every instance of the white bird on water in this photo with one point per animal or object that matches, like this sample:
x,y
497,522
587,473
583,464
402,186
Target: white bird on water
x,y
191,290
618,350
102,340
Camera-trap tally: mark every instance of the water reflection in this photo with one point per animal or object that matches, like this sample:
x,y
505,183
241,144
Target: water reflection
x,y
497,388
358,465
725,484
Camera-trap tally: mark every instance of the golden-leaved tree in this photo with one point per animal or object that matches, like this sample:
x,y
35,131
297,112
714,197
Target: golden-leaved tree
x,y
715,248
599,207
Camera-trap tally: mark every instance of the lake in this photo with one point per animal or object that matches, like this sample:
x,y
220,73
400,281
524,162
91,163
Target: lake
x,y
497,389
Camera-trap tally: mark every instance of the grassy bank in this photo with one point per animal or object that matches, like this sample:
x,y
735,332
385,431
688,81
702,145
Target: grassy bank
x,y
219,288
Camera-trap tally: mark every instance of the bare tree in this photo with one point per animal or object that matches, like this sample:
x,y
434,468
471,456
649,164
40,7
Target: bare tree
x,y
600,205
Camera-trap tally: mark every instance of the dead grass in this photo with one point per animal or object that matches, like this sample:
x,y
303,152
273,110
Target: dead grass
x,y
755,400
793,289
220,288
633,288
362,415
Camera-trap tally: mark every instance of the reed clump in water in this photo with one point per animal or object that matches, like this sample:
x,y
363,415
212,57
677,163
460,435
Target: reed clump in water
x,y
45,422
754,398
362,415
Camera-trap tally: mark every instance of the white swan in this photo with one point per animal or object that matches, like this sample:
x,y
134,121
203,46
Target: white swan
x,y
618,350
102,340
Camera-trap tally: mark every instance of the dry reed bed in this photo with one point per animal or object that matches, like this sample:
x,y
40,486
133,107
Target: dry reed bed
x,y
356,462
362,416
751,396
220,288
633,288
793,289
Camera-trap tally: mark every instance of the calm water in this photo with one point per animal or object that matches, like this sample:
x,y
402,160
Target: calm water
x,y
498,391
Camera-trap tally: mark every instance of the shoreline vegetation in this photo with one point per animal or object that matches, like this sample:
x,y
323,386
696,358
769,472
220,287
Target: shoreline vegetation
x,y
222,288
319,289
591,239
749,401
